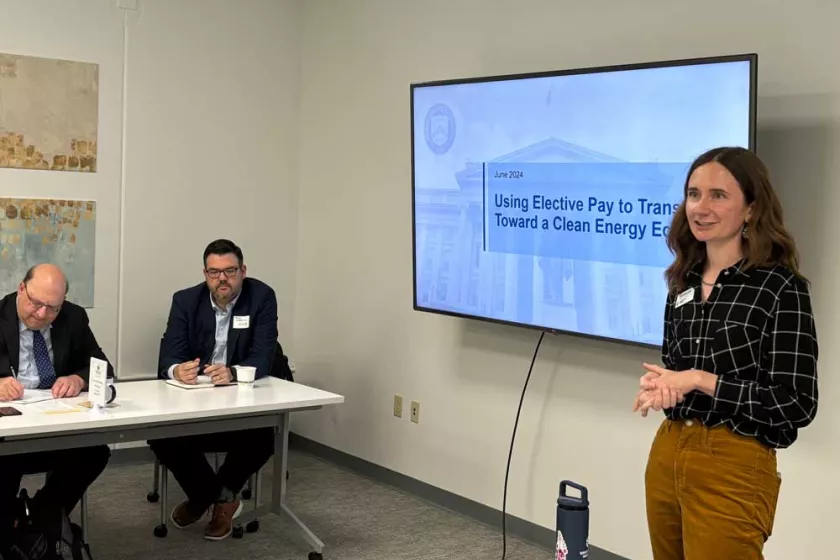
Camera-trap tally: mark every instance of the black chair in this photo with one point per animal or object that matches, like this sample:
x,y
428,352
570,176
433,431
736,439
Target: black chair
x,y
162,484
280,368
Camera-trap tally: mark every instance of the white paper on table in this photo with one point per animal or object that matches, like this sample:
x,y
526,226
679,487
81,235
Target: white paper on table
x,y
31,396
201,382
53,406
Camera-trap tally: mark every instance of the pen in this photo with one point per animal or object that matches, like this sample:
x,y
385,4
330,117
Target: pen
x,y
14,374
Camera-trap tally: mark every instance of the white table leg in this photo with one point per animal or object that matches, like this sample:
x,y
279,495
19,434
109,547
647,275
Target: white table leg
x,y
278,489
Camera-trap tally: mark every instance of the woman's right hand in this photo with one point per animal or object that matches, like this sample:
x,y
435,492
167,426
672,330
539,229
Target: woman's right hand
x,y
652,396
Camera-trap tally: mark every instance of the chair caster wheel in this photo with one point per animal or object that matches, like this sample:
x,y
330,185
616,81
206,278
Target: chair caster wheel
x,y
160,531
253,526
152,497
246,494
238,532
316,556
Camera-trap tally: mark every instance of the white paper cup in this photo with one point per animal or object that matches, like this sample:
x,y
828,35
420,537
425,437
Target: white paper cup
x,y
245,374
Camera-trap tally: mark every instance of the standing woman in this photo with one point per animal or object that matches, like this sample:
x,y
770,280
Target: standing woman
x,y
739,375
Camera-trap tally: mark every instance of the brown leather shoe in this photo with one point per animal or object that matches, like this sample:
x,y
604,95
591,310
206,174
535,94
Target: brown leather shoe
x,y
221,524
185,514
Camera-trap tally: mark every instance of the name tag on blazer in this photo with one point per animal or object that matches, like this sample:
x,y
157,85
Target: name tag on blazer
x,y
241,321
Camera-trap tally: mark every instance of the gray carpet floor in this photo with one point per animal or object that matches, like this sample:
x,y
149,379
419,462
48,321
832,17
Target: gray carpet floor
x,y
358,519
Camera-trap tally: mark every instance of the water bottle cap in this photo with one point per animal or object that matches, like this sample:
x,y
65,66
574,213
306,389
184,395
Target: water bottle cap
x,y
573,502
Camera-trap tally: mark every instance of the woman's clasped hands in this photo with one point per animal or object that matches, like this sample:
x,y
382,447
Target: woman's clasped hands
x,y
661,389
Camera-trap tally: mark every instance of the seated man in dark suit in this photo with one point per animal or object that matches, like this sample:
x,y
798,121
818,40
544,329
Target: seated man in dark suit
x,y
46,343
227,321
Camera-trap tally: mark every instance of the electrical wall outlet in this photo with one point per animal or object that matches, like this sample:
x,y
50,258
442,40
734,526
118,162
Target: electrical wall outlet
x,y
415,412
398,406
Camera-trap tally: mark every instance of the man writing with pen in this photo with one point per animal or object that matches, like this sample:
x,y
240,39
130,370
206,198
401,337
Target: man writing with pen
x,y
228,320
46,343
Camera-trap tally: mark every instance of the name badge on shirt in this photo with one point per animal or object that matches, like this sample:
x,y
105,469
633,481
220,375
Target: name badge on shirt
x,y
685,297
241,321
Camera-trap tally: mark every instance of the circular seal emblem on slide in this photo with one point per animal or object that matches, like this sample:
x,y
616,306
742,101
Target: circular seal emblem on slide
x,y
440,128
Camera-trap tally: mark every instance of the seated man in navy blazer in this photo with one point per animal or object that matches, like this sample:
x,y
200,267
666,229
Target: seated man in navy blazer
x,y
227,321
46,343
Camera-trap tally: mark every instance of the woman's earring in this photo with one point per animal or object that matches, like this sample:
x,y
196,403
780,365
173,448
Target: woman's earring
x,y
745,231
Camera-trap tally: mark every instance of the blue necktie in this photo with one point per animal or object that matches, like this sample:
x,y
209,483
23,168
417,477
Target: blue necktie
x,y
46,370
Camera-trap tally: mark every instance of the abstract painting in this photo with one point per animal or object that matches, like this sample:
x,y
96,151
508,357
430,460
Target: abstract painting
x,y
60,232
49,113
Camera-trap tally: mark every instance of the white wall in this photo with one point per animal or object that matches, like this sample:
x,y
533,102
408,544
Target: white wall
x,y
209,123
89,32
356,333
211,151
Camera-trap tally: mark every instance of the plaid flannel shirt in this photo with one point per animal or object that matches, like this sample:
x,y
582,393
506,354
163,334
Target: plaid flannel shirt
x,y
756,333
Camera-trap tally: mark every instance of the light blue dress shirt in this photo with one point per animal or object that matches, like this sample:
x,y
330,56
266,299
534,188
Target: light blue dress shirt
x,y
223,315
27,373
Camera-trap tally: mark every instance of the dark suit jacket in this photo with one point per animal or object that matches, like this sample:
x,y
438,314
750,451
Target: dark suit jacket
x,y
191,329
73,342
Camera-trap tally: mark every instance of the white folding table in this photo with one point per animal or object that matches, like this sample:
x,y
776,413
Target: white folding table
x,y
153,409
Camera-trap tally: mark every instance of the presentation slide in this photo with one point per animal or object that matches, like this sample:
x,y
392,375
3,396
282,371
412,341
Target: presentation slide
x,y
547,201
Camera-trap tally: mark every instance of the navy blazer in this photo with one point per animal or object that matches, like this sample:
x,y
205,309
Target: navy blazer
x,y
191,329
73,342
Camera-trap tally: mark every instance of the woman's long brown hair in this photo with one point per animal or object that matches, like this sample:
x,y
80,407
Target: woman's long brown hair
x,y
767,242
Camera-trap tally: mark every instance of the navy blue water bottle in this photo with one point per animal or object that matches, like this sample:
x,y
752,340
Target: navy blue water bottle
x,y
572,523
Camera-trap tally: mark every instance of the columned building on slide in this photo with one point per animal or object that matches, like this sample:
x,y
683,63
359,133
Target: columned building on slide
x,y
458,275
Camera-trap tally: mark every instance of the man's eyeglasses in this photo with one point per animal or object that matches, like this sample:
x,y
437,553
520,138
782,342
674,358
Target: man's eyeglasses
x,y
38,305
229,272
